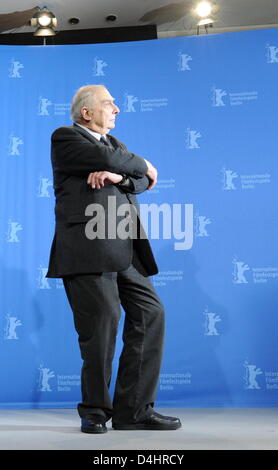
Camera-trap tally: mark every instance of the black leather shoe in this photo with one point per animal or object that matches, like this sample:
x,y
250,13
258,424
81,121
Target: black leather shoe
x,y
90,426
153,422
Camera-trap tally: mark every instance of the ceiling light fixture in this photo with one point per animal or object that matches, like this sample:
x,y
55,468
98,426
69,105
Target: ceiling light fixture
x,y
45,21
74,20
111,17
203,9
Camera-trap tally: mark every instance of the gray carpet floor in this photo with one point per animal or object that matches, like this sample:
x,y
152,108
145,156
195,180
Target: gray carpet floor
x,y
202,429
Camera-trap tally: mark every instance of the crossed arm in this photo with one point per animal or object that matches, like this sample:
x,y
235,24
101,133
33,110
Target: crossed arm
x,y
99,179
75,155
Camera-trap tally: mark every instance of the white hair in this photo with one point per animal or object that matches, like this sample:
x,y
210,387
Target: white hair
x,y
83,97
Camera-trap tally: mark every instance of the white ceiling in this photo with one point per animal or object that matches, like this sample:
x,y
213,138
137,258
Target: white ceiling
x,y
174,19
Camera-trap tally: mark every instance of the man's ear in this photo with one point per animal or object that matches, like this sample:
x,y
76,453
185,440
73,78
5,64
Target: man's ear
x,y
85,113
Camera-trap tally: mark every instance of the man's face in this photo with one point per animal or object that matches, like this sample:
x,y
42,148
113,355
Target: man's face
x,y
103,112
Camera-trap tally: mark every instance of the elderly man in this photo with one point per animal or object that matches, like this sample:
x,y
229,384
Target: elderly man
x,y
94,176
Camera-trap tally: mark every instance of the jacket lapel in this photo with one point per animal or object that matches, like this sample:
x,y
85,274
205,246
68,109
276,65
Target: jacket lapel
x,y
111,139
85,133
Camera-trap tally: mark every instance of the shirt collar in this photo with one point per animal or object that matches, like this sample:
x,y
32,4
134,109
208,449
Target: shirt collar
x,y
97,135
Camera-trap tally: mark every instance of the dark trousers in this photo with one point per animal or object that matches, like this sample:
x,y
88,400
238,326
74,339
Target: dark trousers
x,y
95,300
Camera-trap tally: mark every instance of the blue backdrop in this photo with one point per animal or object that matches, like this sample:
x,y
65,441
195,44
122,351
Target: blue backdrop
x,y
203,110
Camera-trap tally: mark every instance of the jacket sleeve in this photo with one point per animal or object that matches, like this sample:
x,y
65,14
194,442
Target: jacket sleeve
x,y
73,154
136,185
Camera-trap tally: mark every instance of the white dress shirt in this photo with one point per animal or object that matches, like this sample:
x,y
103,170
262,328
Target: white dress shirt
x,y
97,135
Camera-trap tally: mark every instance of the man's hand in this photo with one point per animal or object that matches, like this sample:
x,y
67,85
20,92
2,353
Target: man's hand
x,y
98,179
151,174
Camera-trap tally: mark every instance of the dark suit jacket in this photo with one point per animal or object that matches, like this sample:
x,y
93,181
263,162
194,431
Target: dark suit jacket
x,y
74,154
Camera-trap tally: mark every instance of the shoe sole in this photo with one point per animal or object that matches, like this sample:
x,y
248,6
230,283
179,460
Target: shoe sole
x,y
144,427
89,431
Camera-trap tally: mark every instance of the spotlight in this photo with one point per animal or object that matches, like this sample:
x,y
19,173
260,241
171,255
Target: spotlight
x,y
45,21
205,22
203,9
